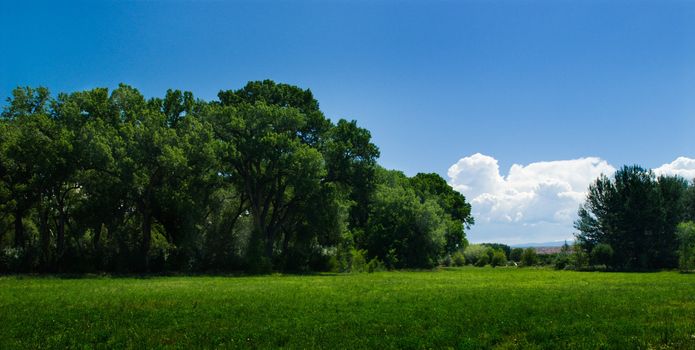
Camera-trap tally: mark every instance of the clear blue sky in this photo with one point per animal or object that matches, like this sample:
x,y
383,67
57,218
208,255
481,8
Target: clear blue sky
x,y
522,81
519,81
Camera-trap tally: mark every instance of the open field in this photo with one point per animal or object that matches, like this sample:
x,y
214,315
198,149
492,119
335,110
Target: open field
x,y
459,308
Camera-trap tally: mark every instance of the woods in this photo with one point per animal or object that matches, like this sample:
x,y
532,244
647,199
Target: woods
x,y
257,180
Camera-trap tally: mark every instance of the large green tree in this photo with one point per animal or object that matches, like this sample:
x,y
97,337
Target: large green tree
x,y
259,179
636,214
271,164
403,230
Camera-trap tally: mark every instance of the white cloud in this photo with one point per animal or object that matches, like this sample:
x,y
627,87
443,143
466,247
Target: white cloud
x,y
535,202
682,166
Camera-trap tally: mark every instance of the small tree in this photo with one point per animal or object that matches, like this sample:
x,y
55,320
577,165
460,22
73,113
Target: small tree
x,y
686,248
529,257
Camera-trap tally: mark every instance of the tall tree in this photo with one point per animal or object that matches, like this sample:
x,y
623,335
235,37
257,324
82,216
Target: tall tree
x,y
26,138
636,215
351,161
271,164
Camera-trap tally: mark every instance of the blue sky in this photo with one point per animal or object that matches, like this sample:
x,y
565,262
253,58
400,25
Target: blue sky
x,y
521,82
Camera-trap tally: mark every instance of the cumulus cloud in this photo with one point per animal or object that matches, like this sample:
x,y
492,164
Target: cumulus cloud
x,y
682,166
534,202
537,202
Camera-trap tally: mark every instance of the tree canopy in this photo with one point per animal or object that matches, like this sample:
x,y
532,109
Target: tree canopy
x,y
256,180
630,221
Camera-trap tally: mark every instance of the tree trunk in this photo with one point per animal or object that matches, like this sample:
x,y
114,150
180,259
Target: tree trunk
x,y
61,233
45,235
146,236
18,229
269,247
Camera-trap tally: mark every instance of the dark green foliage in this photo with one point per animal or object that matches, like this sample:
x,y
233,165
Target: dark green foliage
x,y
259,180
403,231
601,254
507,250
529,257
458,259
686,248
547,259
636,214
515,254
563,259
433,186
498,258
483,260
579,259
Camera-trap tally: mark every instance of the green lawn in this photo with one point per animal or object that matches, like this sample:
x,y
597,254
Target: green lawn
x,y
453,308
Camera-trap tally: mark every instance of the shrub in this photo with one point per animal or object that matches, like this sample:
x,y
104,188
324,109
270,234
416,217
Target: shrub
x,y
562,260
529,257
579,259
11,259
515,254
482,261
459,259
473,253
602,254
686,248
359,262
447,260
498,259
333,264
375,265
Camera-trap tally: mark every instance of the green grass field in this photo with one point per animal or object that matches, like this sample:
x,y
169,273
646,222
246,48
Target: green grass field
x,y
452,308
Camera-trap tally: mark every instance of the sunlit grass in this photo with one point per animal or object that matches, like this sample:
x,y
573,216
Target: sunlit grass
x,y
459,308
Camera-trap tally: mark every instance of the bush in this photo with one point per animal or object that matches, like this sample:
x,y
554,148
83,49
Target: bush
x,y
529,257
473,253
562,260
358,262
579,259
602,254
459,259
515,254
447,260
375,265
11,259
333,264
686,247
482,261
498,259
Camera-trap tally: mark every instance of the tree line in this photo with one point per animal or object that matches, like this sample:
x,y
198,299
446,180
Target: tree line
x,y
637,221
257,180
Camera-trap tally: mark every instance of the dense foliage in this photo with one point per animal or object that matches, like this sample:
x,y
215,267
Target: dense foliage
x,y
686,248
257,180
630,222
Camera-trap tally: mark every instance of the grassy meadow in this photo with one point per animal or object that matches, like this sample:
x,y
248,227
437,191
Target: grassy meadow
x,y
451,308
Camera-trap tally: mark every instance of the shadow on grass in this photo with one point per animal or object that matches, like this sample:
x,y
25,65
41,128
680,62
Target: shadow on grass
x,y
234,274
